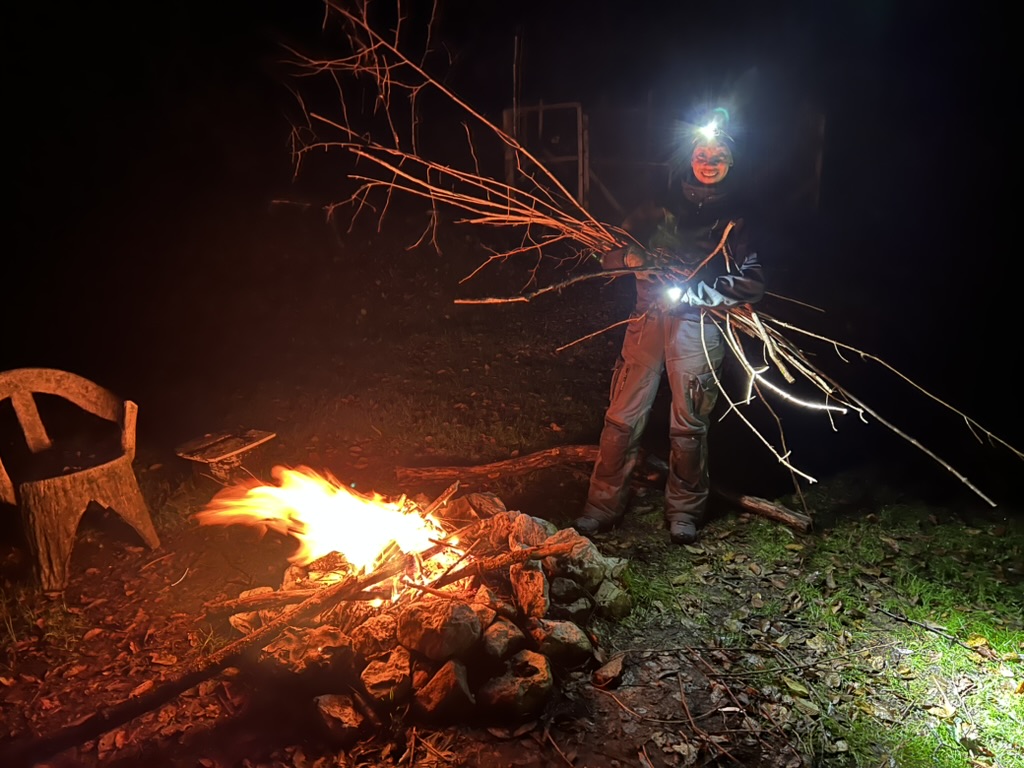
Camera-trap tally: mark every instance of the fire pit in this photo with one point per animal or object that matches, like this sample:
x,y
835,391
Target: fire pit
x,y
464,609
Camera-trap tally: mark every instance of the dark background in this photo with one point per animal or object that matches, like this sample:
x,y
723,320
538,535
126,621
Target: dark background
x,y
148,141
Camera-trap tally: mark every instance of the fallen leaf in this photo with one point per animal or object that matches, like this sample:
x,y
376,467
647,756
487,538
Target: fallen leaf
x,y
817,643
943,711
795,685
806,706
92,633
893,544
141,689
610,673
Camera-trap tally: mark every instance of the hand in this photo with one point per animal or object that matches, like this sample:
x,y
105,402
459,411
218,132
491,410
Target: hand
x,y
634,258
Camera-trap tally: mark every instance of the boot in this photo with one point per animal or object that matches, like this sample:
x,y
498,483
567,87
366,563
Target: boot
x,y
594,521
682,528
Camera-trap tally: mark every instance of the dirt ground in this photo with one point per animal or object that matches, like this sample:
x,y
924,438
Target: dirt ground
x,y
131,617
321,334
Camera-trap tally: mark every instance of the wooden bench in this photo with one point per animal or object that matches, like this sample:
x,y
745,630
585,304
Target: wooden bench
x,y
222,453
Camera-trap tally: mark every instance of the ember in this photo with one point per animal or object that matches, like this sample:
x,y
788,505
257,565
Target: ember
x,y
326,517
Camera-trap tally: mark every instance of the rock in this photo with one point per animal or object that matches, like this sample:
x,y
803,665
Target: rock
x,y
528,532
502,639
563,642
317,650
613,602
487,596
530,586
344,723
610,673
250,621
446,697
584,563
438,629
522,691
389,681
563,590
376,636
579,611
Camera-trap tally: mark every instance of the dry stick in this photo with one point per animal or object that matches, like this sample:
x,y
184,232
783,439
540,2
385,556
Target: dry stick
x,y
696,728
791,667
35,750
428,80
943,635
915,442
867,356
587,454
583,454
561,754
485,564
441,500
737,702
384,82
276,599
270,600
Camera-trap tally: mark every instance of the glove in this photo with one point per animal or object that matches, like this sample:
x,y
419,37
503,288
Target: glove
x,y
635,258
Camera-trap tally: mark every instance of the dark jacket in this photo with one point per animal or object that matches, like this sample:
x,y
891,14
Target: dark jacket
x,y
686,231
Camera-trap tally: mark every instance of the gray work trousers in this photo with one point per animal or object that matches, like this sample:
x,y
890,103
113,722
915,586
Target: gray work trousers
x,y
691,352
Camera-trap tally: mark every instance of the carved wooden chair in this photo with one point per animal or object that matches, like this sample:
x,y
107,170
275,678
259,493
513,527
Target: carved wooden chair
x,y
53,492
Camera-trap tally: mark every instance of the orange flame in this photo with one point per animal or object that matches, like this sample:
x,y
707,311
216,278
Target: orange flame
x,y
325,517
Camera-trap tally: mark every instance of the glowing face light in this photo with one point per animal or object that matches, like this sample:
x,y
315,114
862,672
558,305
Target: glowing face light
x,y
710,161
674,293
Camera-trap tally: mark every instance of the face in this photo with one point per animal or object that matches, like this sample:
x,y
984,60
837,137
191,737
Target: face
x,y
710,162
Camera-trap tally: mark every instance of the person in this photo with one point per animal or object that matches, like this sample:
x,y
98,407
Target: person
x,y
669,330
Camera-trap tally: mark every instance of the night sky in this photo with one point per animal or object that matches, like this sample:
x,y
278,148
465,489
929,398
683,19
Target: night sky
x,y
133,128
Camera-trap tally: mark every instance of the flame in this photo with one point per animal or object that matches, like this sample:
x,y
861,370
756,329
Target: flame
x,y
324,516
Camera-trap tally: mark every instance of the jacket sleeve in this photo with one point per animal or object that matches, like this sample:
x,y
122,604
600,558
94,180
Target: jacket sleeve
x,y
743,285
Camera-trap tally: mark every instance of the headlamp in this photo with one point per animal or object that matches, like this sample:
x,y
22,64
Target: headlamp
x,y
674,293
714,131
709,131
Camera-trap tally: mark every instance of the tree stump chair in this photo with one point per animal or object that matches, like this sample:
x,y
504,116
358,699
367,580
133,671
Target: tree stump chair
x,y
53,500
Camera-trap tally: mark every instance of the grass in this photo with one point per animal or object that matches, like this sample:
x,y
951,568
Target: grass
x,y
925,699
895,641
25,612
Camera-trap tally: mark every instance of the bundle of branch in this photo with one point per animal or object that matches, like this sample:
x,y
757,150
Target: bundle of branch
x,y
545,215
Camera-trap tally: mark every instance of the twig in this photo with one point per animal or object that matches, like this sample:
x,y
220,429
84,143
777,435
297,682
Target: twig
x,y
941,634
561,754
697,730
636,714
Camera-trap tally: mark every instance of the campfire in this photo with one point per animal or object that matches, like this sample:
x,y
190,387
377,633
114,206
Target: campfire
x,y
326,518
435,611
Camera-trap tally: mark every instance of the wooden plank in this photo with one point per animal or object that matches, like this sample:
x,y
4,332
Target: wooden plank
x,y
212,449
